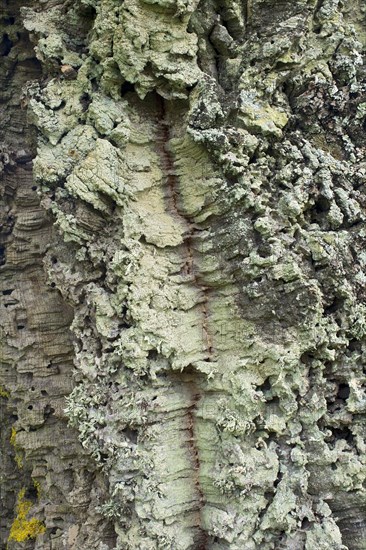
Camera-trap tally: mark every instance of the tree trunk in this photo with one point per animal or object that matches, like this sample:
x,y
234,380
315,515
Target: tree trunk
x,y
182,275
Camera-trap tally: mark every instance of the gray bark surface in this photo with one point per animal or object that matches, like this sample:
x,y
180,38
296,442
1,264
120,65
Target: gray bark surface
x,y
182,275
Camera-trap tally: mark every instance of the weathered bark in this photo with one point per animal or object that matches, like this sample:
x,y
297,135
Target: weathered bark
x,y
191,248
42,463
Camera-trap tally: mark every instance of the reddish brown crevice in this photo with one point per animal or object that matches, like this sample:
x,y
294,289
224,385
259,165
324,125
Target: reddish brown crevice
x,y
190,268
191,418
205,326
201,536
167,165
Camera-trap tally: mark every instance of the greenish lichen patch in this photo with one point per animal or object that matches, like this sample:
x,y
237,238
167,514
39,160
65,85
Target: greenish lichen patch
x,y
217,277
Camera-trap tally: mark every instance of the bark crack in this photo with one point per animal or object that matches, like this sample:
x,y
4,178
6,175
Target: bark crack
x,y
190,268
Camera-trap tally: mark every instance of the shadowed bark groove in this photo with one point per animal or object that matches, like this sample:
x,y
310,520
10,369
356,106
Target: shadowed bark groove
x,y
43,467
191,267
191,270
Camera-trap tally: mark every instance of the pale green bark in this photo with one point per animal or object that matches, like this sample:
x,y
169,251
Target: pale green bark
x,y
203,165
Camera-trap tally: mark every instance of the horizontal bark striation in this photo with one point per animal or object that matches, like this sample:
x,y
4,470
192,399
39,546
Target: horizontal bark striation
x,y
191,270
41,457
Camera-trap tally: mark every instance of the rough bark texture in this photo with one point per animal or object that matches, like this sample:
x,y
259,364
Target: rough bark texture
x,y
49,486
183,279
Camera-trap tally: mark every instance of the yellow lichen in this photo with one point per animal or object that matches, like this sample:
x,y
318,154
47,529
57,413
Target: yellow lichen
x,y
19,460
4,392
18,456
22,528
13,436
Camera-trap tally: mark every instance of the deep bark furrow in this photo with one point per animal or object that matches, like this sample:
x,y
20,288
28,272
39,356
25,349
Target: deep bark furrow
x,y
191,266
192,271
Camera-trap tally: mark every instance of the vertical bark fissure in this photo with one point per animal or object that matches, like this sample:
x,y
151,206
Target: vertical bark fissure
x,y
195,453
190,269
191,266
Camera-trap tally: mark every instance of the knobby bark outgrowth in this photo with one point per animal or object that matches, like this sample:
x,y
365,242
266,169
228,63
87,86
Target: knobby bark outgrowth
x,y
182,275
